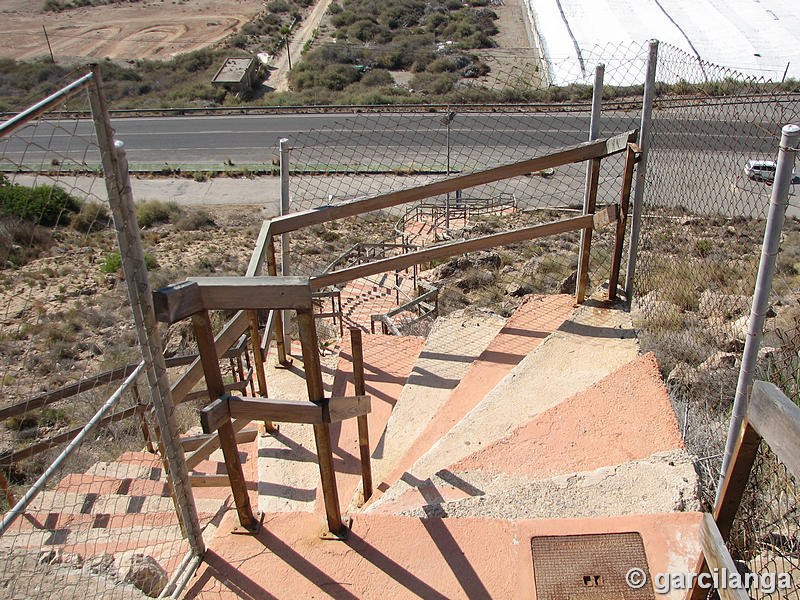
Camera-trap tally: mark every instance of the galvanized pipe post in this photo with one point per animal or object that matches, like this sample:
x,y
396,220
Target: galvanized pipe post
x,y
588,194
641,171
118,186
285,210
787,152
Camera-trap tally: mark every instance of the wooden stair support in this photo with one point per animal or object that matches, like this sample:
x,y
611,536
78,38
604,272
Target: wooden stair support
x,y
227,437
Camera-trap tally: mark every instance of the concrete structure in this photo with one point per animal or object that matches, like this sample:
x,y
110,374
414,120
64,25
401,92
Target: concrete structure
x,y
238,74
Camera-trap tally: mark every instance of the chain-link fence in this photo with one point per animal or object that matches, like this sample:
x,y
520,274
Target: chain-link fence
x,y
701,239
90,503
764,534
371,153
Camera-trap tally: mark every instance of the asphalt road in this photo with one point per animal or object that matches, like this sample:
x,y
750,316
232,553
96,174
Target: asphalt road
x,y
361,137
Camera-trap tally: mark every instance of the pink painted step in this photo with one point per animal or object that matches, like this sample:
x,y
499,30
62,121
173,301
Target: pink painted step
x,y
625,417
404,558
388,361
533,321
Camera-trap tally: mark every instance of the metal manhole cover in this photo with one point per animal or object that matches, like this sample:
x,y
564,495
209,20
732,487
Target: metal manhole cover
x,y
585,567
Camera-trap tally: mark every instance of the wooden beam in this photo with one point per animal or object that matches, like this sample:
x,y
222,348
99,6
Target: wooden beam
x,y
216,414
175,302
253,293
453,249
570,154
225,431
777,420
231,332
624,203
339,409
281,411
330,410
193,442
609,214
205,450
307,331
198,481
236,386
735,480
357,350
9,458
586,235
718,557
260,250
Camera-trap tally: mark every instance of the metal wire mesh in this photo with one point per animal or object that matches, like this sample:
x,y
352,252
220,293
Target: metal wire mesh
x,y
764,538
701,238
104,521
371,153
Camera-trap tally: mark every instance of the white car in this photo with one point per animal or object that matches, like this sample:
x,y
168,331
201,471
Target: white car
x,y
762,170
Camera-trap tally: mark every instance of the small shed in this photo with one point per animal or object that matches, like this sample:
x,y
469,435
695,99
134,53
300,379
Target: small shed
x,y
236,74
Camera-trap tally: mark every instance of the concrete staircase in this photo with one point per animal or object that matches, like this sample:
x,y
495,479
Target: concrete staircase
x,y
489,432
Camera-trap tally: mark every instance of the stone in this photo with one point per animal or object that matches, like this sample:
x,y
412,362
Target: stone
x,y
683,374
713,303
99,563
145,574
567,286
50,556
719,360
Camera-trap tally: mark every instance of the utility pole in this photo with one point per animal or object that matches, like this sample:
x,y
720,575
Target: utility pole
x,y
49,47
288,54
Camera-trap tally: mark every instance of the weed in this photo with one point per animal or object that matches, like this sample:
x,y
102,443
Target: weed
x,y
112,263
152,212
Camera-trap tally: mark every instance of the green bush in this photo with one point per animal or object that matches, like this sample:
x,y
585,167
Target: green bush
x,y
44,204
112,263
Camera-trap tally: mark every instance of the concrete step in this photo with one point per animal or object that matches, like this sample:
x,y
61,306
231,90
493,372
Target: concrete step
x,y
453,344
595,341
403,558
624,418
663,482
90,503
388,361
535,319
288,474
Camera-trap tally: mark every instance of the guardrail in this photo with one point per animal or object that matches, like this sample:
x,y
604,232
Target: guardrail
x,y
612,104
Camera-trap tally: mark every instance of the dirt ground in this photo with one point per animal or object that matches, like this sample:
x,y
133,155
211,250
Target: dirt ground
x,y
157,29
516,59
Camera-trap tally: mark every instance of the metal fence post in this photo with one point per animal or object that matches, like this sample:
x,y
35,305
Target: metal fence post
x,y
285,210
787,151
588,206
115,168
641,171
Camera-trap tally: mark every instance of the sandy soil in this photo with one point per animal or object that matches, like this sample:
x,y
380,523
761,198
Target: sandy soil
x,y
148,29
516,62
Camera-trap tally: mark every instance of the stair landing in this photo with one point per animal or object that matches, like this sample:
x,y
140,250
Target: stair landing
x,y
403,557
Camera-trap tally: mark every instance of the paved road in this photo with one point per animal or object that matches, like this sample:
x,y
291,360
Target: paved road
x,y
323,138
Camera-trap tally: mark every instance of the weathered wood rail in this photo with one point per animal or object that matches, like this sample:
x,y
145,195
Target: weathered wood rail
x,y
775,420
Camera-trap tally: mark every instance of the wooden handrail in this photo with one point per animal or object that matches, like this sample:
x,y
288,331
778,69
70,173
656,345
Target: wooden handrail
x,y
396,263
571,154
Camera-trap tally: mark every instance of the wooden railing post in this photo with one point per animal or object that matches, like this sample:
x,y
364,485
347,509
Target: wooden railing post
x,y
280,341
357,348
627,183
227,437
322,435
586,234
258,359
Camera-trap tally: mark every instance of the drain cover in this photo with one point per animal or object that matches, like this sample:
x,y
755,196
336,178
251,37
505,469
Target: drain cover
x,y
585,567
